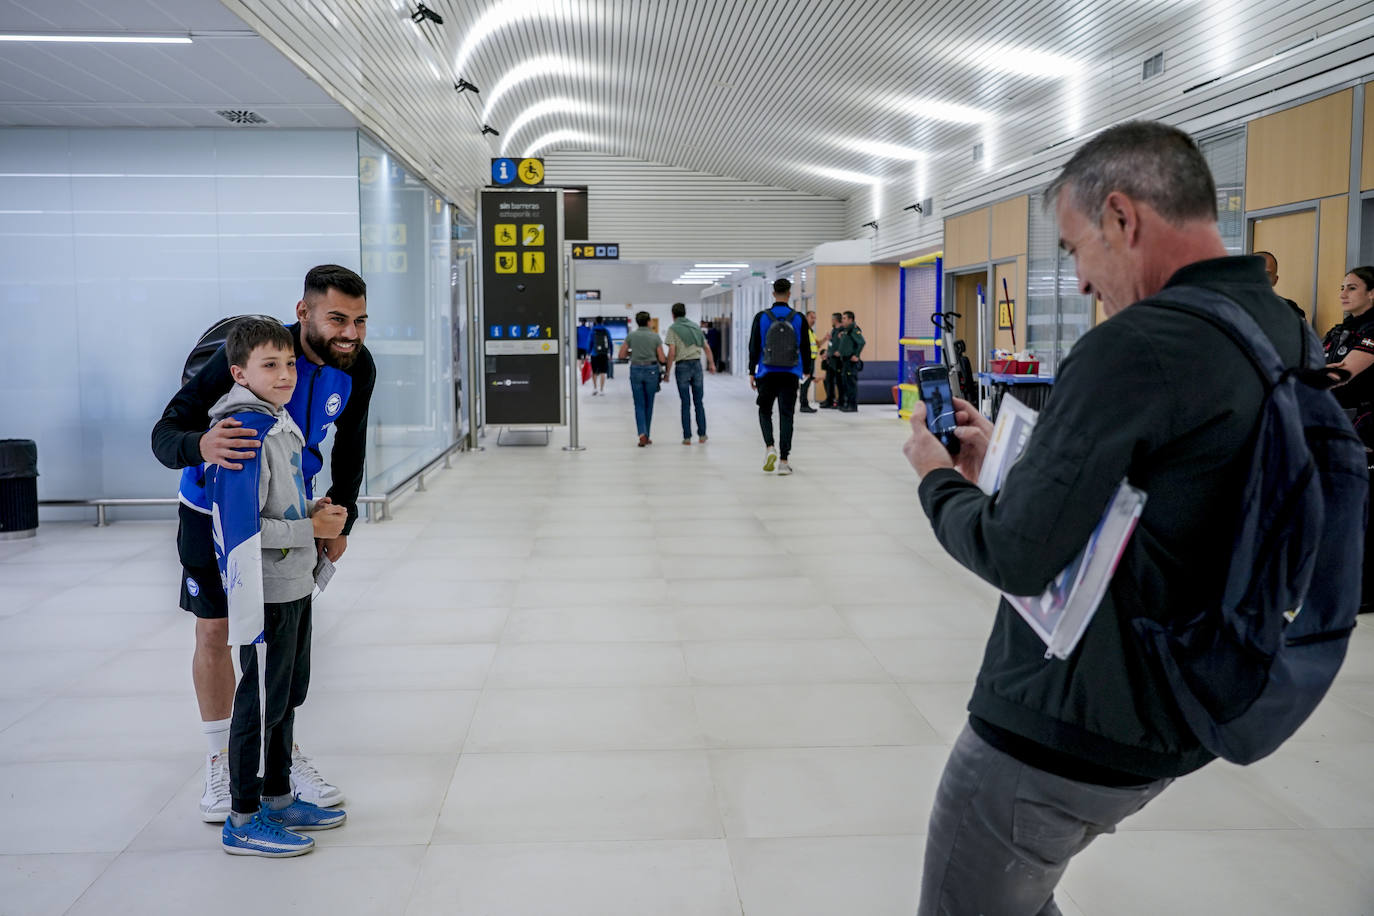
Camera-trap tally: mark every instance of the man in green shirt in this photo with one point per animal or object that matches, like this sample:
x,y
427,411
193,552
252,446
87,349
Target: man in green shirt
x,y
686,345
851,345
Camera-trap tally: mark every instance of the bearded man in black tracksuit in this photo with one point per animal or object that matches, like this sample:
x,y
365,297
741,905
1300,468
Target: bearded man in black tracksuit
x,y
1057,752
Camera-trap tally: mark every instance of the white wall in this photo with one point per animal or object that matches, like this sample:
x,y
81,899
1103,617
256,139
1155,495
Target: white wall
x,y
120,247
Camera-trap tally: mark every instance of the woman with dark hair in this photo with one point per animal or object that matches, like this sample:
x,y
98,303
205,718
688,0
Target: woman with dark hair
x,y
1350,346
644,348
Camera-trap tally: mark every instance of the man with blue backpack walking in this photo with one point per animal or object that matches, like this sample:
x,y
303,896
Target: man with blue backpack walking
x,y
1230,610
779,358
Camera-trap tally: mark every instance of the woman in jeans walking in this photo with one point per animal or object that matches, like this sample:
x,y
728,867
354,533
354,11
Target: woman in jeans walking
x,y
645,350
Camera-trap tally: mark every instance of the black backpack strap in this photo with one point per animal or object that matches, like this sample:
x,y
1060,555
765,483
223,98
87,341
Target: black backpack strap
x,y
1227,316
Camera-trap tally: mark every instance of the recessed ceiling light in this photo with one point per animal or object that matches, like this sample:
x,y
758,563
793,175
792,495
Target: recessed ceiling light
x,y
940,111
541,110
559,136
99,38
1021,61
508,13
734,266
840,174
880,148
526,70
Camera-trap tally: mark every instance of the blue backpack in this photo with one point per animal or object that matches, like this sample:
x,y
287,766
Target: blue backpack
x,y
1247,674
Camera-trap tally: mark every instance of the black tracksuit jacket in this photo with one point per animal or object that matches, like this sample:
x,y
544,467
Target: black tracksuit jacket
x,y
1169,402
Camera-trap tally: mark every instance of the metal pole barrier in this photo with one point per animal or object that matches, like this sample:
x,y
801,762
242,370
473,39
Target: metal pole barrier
x,y
570,347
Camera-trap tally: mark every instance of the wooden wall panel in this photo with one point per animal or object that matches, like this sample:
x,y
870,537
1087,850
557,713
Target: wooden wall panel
x,y
1293,240
1010,223
885,331
1331,266
966,239
1299,154
966,326
1367,169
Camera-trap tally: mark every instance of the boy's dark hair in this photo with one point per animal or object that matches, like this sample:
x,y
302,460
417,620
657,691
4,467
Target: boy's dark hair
x,y
642,319
320,280
848,314
248,334
836,315
1145,160
679,310
782,285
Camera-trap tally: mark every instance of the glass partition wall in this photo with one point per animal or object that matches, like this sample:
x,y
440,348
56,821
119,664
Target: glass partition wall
x,y
405,235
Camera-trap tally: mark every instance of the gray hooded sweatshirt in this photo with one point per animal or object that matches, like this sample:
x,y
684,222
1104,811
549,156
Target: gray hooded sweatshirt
x,y
288,535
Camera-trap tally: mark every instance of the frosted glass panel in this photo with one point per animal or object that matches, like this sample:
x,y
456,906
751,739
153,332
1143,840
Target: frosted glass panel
x,y
406,255
119,247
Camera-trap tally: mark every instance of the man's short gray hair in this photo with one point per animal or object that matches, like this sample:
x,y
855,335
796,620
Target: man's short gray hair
x,y
1145,160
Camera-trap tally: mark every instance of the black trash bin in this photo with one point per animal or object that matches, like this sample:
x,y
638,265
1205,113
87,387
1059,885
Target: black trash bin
x,y
18,488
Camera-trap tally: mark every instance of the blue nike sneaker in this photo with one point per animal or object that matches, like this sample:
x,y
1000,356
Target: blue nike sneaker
x,y
302,815
262,837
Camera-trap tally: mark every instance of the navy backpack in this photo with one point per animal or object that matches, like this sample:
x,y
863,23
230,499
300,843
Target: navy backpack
x,y
1247,674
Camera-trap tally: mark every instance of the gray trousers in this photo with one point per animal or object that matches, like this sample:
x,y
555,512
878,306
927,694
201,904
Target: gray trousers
x,y
1001,832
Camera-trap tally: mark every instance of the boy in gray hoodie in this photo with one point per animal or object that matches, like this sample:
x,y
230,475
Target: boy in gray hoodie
x,y
265,531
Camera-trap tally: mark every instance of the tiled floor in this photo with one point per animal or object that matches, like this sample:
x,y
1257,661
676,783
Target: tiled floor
x,y
625,681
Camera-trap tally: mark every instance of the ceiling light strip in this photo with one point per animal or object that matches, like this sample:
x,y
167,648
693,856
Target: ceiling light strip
x,y
96,38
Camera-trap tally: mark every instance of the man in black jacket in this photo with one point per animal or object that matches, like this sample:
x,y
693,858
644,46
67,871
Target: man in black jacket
x,y
1057,752
336,375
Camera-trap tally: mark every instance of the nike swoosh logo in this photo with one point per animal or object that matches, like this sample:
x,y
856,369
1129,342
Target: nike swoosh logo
x,y
241,837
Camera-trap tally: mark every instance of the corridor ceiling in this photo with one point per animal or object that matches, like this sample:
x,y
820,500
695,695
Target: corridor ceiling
x,y
824,97
226,67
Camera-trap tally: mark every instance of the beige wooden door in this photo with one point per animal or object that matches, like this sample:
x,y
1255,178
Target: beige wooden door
x,y
1292,239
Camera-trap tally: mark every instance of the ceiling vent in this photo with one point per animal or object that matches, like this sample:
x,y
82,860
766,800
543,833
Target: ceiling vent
x,y
243,117
1152,67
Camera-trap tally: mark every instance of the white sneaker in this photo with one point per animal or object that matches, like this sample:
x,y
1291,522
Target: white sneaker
x,y
214,804
770,461
307,783
784,468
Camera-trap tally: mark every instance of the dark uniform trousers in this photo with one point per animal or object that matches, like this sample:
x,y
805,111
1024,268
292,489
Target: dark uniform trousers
x,y
832,372
287,628
849,384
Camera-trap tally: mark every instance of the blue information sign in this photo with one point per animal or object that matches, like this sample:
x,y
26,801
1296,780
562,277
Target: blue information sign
x,y
502,171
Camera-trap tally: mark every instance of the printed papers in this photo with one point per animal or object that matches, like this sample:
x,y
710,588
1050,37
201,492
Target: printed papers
x,y
1061,615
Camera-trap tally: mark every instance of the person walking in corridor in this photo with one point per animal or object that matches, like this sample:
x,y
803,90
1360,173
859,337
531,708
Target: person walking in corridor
x,y
779,358
644,348
686,345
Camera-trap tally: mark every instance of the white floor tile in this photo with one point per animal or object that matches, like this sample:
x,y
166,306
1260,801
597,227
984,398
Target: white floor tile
x,y
585,718
590,624
810,715
354,880
47,885
110,801
675,878
848,791
622,795
455,667
872,875
588,665
557,682
811,661
1262,872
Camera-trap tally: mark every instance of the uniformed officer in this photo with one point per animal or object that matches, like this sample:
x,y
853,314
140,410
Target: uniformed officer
x,y
1350,346
831,342
851,346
